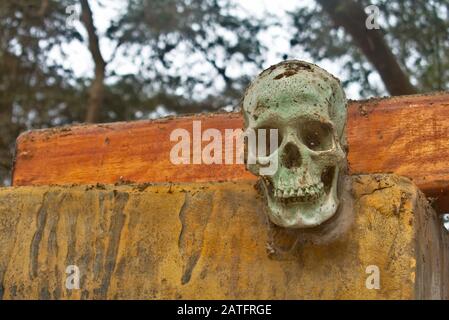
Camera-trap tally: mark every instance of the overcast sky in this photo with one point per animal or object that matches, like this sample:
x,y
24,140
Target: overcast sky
x,y
276,39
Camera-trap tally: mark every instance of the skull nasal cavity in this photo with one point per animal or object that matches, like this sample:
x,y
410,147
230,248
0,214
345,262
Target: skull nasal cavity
x,y
291,157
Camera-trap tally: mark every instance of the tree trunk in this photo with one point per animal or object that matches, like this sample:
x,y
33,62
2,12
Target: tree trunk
x,y
351,16
96,92
8,132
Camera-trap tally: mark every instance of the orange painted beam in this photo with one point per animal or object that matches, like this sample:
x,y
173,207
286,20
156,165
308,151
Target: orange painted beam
x,y
124,151
407,135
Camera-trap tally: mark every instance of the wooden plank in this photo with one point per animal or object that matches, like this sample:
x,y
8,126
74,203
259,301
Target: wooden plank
x,y
407,135
109,153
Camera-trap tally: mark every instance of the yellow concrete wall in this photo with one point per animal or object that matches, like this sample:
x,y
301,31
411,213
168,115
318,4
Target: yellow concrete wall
x,y
200,241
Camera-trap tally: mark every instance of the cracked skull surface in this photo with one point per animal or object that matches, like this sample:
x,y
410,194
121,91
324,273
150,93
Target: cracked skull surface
x,y
307,106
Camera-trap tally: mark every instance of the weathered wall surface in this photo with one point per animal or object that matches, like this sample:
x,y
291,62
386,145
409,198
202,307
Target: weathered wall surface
x,y
206,241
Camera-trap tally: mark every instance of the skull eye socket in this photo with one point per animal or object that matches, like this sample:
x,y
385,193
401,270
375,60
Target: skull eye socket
x,y
316,135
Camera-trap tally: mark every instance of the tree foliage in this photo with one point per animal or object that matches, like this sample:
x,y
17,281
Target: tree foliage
x,y
417,31
36,92
173,37
197,55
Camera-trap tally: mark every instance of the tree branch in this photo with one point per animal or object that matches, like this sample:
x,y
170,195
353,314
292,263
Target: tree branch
x,y
351,16
97,89
180,105
43,9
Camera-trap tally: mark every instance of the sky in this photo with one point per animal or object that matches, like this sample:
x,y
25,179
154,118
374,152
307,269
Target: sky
x,y
79,59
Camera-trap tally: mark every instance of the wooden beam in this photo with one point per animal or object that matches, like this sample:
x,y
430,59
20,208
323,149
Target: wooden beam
x,y
406,135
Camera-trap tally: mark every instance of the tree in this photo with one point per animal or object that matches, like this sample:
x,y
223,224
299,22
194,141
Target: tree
x,y
36,92
170,33
195,56
97,88
40,92
350,15
410,52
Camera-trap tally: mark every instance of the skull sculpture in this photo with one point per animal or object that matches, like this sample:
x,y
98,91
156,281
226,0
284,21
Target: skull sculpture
x,y
308,107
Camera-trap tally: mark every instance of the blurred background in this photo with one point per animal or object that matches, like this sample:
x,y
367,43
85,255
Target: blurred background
x,y
74,61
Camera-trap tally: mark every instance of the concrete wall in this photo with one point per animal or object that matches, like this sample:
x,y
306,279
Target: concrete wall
x,y
212,240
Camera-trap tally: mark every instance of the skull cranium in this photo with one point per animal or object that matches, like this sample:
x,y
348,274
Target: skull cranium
x,y
308,107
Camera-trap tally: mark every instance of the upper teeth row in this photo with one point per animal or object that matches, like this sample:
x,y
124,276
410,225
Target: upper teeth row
x,y
300,192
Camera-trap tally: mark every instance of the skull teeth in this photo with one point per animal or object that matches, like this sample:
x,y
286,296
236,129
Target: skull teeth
x,y
300,194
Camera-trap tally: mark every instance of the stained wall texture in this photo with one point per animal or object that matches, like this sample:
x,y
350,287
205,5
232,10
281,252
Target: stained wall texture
x,y
212,240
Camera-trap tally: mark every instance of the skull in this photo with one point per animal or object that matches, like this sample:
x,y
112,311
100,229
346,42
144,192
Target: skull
x,y
307,106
